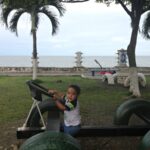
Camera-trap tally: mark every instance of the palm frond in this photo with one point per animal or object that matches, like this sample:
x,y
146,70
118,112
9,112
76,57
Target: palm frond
x,y
14,20
57,4
146,27
1,1
52,17
5,13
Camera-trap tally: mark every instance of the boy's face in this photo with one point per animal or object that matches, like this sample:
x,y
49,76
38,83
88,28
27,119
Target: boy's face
x,y
71,94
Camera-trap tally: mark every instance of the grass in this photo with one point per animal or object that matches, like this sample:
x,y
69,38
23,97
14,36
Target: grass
x,y
97,100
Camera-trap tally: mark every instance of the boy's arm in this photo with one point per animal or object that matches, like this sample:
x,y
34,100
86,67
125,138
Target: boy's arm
x,y
56,95
60,105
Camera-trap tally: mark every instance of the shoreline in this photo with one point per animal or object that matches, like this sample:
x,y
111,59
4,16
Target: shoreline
x,y
68,61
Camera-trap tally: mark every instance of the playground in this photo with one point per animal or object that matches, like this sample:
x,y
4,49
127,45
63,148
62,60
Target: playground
x,y
98,103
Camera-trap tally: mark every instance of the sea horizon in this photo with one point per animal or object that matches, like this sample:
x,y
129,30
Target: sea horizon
x,y
67,61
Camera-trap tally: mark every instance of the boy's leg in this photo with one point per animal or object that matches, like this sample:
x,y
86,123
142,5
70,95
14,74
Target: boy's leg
x,y
72,130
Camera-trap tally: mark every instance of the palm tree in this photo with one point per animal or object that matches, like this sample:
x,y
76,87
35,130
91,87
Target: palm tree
x,y
33,8
146,26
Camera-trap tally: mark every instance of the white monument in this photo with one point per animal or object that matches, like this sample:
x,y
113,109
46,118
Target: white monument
x,y
122,58
78,59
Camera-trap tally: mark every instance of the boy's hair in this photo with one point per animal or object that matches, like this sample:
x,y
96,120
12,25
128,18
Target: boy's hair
x,y
76,88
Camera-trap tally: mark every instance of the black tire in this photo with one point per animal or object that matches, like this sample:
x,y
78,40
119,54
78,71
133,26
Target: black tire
x,y
51,141
127,109
44,106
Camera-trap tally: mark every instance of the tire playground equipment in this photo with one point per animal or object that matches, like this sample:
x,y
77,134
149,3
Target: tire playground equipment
x,y
138,107
51,141
37,127
145,143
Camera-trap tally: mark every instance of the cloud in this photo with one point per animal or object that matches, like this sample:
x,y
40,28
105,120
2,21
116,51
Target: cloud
x,y
120,39
90,27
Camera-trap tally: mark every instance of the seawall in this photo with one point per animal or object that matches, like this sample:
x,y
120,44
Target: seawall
x,y
47,71
42,71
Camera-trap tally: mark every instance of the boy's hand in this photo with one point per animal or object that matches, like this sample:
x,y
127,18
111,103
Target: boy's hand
x,y
52,91
55,94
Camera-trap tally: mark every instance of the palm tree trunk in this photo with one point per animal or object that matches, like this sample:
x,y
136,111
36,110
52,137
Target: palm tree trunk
x,y
34,58
134,85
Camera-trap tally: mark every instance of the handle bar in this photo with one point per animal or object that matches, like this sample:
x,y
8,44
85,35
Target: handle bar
x,y
39,88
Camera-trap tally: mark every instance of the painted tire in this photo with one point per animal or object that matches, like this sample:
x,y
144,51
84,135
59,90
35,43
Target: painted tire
x,y
51,141
145,143
130,107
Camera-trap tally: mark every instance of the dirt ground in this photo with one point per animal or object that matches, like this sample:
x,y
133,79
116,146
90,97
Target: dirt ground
x,y
8,140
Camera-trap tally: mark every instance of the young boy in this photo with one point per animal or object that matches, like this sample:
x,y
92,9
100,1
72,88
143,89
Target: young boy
x,y
70,105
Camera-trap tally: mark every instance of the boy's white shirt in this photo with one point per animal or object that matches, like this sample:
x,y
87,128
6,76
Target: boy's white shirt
x,y
72,117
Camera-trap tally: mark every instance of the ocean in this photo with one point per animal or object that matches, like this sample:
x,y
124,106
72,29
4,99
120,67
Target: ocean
x,y
67,61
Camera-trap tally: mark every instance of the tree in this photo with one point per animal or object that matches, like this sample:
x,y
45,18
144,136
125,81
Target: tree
x,y
146,27
33,8
74,1
135,9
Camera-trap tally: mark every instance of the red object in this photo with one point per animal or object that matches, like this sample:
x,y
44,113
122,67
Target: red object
x,y
104,72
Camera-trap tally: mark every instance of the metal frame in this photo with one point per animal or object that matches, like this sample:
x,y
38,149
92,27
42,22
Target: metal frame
x,y
35,104
53,121
113,131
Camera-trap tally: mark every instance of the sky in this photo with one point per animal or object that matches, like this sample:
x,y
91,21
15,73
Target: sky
x,y
89,27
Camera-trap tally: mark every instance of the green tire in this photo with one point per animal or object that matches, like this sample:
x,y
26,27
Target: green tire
x,y
51,141
130,107
145,143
